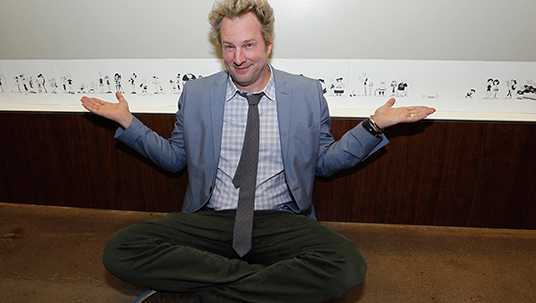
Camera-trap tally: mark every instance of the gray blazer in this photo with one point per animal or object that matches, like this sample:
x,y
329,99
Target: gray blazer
x,y
304,124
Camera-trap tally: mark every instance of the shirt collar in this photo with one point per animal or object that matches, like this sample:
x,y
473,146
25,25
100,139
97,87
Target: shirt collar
x,y
269,89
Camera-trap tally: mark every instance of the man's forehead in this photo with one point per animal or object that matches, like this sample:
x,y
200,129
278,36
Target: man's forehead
x,y
240,28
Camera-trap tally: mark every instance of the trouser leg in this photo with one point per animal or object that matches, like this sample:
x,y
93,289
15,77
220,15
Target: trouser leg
x,y
293,259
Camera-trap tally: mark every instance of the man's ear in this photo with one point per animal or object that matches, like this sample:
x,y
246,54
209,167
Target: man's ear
x,y
270,44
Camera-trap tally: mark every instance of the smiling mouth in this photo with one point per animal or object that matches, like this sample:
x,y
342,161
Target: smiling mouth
x,y
242,69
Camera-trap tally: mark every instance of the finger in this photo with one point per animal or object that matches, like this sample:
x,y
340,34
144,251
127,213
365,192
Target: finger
x,y
390,102
120,98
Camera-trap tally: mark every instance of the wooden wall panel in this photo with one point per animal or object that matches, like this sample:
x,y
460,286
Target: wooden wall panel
x,y
432,173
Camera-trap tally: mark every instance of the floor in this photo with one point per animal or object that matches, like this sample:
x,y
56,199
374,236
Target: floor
x,y
53,254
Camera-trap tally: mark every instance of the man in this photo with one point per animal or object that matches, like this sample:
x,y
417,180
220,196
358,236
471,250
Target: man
x,y
197,255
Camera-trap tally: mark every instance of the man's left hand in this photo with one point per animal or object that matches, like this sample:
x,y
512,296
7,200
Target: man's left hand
x,y
387,115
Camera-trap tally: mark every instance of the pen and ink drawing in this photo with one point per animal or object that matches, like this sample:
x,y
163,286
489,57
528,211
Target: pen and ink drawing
x,y
132,82
528,91
118,86
338,86
2,83
158,86
493,88
511,87
381,87
176,85
364,79
470,93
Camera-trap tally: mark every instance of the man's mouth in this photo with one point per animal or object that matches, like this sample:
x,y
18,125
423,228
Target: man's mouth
x,y
242,69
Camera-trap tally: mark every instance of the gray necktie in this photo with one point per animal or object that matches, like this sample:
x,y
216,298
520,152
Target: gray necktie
x,y
246,178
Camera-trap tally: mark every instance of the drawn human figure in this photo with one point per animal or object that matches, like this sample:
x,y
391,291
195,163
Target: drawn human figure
x,y
53,85
41,87
30,85
158,86
2,83
69,82
27,84
338,87
118,86
495,88
132,82
64,83
17,83
24,82
364,80
143,87
470,93
108,84
101,83
489,87
512,83
187,77
176,85
380,91
394,85
402,88
82,88
91,87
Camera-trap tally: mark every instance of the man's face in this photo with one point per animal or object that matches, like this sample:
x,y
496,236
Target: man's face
x,y
245,53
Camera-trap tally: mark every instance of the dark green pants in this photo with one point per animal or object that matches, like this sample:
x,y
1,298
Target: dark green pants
x,y
293,259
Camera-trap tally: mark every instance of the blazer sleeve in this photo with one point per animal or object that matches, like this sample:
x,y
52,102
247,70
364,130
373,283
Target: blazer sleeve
x,y
166,153
355,146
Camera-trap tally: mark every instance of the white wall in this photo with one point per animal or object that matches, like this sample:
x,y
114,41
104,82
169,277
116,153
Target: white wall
x,y
494,30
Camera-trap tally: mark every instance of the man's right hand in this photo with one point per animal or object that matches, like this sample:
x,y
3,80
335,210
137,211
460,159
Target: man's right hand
x,y
117,112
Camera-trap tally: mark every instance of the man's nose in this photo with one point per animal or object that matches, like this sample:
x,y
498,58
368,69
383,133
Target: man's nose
x,y
239,57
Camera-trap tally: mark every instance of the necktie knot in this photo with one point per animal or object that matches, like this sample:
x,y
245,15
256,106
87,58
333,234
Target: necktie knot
x,y
253,99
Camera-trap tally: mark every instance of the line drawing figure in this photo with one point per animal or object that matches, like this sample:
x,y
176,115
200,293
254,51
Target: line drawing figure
x,y
470,93
132,82
512,83
143,87
380,91
188,77
118,86
41,87
176,85
53,85
394,85
2,83
370,88
17,83
402,88
364,80
495,88
25,83
101,83
30,85
158,86
338,87
82,89
108,83
489,88
67,84
528,92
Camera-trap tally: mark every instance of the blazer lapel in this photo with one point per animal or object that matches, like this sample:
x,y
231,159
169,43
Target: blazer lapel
x,y
284,108
217,105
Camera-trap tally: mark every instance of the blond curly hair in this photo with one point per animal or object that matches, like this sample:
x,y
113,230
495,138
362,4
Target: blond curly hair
x,y
237,8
